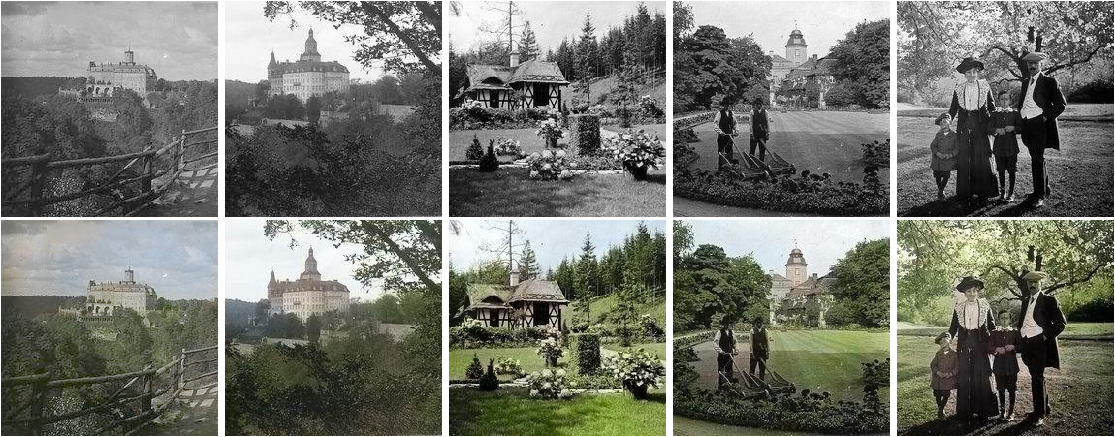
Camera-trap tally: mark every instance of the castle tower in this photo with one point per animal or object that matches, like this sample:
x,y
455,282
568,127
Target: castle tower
x,y
310,53
310,272
797,51
129,57
797,270
129,276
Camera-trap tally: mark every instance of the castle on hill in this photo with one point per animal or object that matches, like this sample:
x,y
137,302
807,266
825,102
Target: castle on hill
x,y
309,76
308,295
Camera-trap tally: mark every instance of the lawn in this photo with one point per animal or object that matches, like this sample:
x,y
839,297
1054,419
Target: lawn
x,y
1080,175
1080,393
686,426
1073,331
654,348
509,192
509,411
459,359
820,360
1073,112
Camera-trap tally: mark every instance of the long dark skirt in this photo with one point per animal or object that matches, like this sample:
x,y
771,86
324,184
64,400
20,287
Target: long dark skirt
x,y
973,394
973,165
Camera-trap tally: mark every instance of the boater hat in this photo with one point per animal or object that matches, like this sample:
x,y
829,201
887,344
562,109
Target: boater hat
x,y
1035,56
967,282
969,63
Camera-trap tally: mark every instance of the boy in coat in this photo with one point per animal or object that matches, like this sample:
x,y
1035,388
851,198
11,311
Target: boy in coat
x,y
1005,124
943,153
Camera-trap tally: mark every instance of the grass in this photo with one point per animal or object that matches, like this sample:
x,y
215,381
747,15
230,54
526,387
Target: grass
x,y
602,306
1080,175
654,348
686,426
1073,331
509,411
1074,111
511,193
459,359
1080,393
820,360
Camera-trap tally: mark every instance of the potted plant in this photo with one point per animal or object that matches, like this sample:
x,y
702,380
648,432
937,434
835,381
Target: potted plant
x,y
637,371
638,151
550,131
550,350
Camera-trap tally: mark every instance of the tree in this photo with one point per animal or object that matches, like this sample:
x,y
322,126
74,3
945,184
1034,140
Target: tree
x,y
313,328
710,286
458,297
862,285
586,53
863,62
528,263
386,309
528,44
683,21
587,280
313,110
708,66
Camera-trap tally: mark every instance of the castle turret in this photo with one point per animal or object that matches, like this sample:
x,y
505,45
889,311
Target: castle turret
x,y
797,270
310,272
797,51
129,57
129,276
310,53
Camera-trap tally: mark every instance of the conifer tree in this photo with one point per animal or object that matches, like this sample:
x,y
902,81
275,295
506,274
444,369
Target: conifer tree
x,y
528,263
528,44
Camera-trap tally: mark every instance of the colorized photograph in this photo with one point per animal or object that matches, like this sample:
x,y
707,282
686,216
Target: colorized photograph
x,y
557,111
109,110
109,327
333,109
553,334
1004,327
781,328
1007,107
806,85
333,327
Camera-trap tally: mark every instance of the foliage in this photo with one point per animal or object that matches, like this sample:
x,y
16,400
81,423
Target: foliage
x,y
636,149
708,285
841,95
508,146
635,370
286,106
549,165
862,66
477,335
528,263
588,352
549,129
549,384
862,284
508,366
489,162
806,192
709,66
1100,90
651,330
489,381
474,370
1098,310
586,133
876,153
877,373
550,348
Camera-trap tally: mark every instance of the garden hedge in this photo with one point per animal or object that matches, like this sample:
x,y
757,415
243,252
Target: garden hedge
x,y
585,133
485,336
588,353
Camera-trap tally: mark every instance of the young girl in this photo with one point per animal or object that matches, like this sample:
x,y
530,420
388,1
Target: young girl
x,y
1005,345
943,149
942,371
1006,124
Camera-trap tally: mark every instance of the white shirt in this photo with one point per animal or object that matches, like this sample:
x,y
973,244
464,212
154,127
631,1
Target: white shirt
x,y
1030,328
1030,109
971,315
971,96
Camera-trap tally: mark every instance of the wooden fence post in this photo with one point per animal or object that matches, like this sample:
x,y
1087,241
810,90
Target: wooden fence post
x,y
181,163
148,390
145,183
38,185
38,399
182,370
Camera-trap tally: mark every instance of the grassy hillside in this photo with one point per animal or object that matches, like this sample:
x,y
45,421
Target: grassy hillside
x,y
31,306
602,306
603,87
31,87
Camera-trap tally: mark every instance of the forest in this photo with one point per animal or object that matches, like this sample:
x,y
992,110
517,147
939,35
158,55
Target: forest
x,y
359,381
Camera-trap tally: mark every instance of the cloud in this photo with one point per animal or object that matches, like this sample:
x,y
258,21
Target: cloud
x,y
23,8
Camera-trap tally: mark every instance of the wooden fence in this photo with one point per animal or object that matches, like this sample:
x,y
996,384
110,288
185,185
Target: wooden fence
x,y
29,198
28,417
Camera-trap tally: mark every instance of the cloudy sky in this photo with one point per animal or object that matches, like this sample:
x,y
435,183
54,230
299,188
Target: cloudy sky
x,y
770,23
551,239
250,37
177,39
550,21
176,257
250,256
823,242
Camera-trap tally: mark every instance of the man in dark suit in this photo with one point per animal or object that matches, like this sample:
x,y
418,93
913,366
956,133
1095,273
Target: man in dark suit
x,y
1040,103
760,129
760,348
1040,324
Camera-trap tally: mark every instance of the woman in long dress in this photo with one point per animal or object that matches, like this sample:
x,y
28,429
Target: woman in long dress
x,y
972,324
971,107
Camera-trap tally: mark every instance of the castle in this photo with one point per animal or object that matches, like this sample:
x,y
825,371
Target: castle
x,y
797,296
799,75
797,52
307,77
102,80
104,298
308,295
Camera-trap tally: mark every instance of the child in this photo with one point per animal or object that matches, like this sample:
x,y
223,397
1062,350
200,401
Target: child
x,y
760,129
942,371
1006,123
1005,344
943,149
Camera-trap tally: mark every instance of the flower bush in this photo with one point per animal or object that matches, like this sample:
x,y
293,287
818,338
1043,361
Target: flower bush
x,y
508,146
636,150
550,130
549,165
550,349
473,323
806,192
549,384
876,153
508,366
637,371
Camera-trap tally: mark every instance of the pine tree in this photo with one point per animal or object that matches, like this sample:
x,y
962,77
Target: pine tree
x,y
528,263
528,44
586,57
587,276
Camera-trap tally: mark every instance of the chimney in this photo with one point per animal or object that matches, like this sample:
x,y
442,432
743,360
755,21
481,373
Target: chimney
x,y
514,272
129,275
514,59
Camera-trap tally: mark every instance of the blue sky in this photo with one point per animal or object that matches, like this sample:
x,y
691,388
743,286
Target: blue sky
x,y
177,39
823,242
550,239
770,23
176,257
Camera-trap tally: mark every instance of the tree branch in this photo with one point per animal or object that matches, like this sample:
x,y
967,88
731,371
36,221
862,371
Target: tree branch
x,y
403,255
1053,288
374,10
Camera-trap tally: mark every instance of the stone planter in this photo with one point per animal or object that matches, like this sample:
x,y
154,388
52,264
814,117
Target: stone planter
x,y
635,172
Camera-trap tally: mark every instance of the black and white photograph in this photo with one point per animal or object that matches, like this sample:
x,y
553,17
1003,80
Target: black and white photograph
x,y
781,109
333,108
109,327
1008,106
109,109
556,110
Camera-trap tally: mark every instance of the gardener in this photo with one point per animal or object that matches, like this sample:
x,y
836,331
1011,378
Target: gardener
x,y
725,341
760,348
725,123
1041,322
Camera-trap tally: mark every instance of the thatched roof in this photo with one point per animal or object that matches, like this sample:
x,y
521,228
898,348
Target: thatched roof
x,y
538,290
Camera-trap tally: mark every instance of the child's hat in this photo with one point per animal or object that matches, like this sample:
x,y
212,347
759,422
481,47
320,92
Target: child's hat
x,y
941,336
943,116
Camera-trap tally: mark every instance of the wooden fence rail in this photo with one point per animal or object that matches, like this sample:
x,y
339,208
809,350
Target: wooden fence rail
x,y
143,381
40,168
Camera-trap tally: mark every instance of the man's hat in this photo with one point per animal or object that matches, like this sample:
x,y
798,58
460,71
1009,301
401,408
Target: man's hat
x,y
969,63
1035,56
968,282
1035,276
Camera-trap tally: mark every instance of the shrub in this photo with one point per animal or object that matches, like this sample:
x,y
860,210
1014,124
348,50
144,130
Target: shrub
x,y
474,151
841,95
508,147
650,109
876,153
548,384
1096,91
586,133
636,149
876,373
489,162
1099,310
805,193
508,366
489,381
636,371
481,336
549,349
651,330
474,370
549,129
588,353
549,165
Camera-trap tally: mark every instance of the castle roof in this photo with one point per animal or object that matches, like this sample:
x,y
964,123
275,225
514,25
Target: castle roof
x,y
310,285
501,296
796,38
310,66
123,67
310,51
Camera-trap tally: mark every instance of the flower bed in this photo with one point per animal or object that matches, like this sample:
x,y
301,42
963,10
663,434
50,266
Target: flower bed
x,y
479,117
478,337
808,193
876,153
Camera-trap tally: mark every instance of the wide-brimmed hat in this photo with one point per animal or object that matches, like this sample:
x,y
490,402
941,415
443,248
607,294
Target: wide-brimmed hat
x,y
967,282
1035,56
969,63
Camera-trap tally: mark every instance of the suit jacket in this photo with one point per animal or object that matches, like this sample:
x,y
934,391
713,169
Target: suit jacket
x,y
760,126
760,346
1048,97
1048,315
